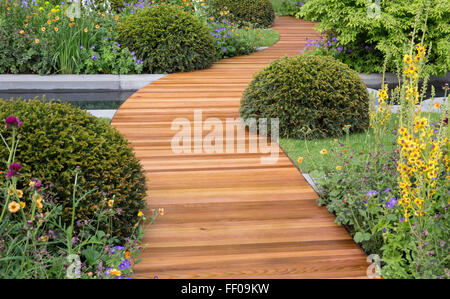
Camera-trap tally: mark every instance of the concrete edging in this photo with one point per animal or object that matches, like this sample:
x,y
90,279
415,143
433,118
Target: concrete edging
x,y
77,82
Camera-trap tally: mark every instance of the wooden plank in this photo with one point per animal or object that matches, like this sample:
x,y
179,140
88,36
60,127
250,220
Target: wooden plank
x,y
226,214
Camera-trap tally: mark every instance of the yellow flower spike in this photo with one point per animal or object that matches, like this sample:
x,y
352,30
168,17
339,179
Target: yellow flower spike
x,y
407,59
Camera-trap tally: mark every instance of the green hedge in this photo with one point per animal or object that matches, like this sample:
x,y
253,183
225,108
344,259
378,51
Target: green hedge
x,y
257,12
56,138
168,39
308,91
371,39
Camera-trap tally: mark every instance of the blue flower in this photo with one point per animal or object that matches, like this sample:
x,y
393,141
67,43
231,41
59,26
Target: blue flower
x,y
124,265
391,203
387,190
372,192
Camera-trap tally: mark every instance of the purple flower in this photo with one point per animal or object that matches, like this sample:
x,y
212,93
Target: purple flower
x,y
94,57
402,219
13,170
12,121
387,190
92,47
339,48
124,265
81,47
391,203
117,248
384,229
372,192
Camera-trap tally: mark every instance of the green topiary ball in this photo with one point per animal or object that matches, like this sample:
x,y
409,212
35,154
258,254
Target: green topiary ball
x,y
168,39
56,138
257,12
308,91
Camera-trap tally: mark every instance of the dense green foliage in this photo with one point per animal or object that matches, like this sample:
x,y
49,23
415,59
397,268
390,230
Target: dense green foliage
x,y
287,7
256,12
168,39
319,93
368,38
59,137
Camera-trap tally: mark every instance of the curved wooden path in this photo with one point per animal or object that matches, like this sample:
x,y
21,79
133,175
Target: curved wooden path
x,y
228,215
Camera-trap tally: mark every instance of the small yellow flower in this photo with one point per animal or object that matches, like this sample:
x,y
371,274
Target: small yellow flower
x,y
13,207
116,18
115,272
407,59
300,159
19,193
127,255
85,30
57,18
12,191
43,28
97,26
110,203
323,152
39,205
140,214
437,105
21,32
56,29
338,167
22,204
161,211
44,238
72,19
49,22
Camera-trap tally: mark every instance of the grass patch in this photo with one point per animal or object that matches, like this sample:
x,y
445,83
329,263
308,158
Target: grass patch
x,y
359,143
259,37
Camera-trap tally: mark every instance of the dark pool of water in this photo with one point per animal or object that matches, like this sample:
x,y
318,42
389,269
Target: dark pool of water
x,y
85,99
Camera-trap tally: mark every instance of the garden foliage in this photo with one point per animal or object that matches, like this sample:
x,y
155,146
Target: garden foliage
x,y
35,239
168,39
366,40
56,138
319,93
256,12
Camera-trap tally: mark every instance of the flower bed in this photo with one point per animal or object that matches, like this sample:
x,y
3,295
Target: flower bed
x,y
389,186
47,38
36,242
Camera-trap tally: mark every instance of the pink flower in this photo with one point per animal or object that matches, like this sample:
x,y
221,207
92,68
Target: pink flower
x,y
12,121
13,170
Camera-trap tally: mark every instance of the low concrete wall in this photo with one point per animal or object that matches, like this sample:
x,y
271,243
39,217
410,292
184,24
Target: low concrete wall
x,y
76,82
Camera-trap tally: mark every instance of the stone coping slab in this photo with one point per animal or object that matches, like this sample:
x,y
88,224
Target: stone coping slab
x,y
77,82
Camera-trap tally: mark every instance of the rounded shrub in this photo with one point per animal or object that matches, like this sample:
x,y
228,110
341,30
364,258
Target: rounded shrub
x,y
168,39
257,12
307,91
56,138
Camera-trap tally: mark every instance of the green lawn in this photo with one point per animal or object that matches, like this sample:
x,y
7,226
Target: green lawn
x,y
313,159
259,37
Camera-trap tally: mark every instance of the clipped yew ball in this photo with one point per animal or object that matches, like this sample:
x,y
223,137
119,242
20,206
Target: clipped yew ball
x,y
58,137
168,39
308,91
256,12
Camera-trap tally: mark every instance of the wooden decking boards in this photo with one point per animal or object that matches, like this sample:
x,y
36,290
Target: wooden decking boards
x,y
226,214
